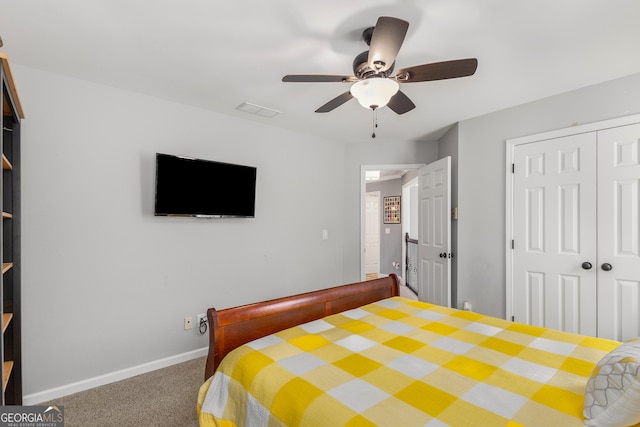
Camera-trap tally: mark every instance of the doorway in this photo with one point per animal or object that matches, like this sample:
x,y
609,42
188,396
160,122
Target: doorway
x,y
382,172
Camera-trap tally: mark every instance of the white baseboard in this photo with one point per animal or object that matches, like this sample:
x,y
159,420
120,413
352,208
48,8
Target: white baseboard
x,y
65,390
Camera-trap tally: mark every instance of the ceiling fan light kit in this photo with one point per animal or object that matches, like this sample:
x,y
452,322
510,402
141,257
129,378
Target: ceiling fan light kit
x,y
374,85
374,93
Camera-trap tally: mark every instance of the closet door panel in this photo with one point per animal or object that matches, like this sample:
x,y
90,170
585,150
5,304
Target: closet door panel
x,y
554,197
619,232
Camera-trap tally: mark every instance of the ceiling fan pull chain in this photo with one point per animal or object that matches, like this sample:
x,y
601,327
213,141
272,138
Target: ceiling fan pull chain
x,y
374,125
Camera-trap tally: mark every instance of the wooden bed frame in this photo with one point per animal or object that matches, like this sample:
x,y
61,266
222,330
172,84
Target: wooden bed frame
x,y
233,327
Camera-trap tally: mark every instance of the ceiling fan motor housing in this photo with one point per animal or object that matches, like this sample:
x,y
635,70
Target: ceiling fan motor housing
x,y
367,33
362,70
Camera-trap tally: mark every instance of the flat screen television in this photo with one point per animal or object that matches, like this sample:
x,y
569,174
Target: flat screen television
x,y
203,188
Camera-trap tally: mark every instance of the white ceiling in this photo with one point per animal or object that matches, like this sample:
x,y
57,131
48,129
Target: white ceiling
x,y
218,54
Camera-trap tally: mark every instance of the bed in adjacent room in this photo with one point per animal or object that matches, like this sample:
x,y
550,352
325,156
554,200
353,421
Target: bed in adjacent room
x,y
360,355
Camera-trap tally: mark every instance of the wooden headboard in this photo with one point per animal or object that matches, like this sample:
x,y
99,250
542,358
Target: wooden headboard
x,y
232,327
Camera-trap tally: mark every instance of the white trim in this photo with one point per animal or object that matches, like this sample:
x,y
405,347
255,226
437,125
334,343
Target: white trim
x,y
510,145
406,224
65,390
573,130
363,192
378,195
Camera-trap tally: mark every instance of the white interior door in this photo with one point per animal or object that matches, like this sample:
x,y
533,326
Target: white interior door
x,y
372,233
554,234
409,217
434,232
618,268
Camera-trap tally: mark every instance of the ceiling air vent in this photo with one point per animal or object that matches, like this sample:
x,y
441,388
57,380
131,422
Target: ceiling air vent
x,y
250,108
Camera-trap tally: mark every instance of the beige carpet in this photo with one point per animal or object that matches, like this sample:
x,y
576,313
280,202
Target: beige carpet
x,y
162,398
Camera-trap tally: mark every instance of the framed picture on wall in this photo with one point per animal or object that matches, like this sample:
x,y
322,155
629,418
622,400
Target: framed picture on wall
x,y
391,210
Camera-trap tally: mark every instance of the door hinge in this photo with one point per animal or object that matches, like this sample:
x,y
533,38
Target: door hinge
x,y
513,244
513,318
513,168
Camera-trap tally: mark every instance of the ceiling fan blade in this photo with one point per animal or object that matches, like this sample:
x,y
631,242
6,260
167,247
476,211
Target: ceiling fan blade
x,y
317,78
438,71
335,102
387,38
400,103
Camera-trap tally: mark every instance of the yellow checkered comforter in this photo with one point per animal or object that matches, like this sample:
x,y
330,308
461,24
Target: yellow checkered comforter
x,y
399,362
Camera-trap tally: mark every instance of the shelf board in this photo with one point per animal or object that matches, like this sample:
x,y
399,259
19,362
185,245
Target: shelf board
x,y
12,86
6,319
6,266
6,164
6,373
7,215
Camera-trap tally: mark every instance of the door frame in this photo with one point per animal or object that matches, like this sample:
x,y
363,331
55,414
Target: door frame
x,y
363,193
378,195
510,152
406,218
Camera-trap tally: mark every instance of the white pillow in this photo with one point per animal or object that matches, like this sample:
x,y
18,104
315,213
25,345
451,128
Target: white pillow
x,y
612,397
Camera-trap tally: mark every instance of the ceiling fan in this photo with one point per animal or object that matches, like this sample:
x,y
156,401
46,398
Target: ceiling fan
x,y
374,84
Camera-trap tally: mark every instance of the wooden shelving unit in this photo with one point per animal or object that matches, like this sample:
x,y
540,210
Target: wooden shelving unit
x,y
6,319
10,341
6,164
6,374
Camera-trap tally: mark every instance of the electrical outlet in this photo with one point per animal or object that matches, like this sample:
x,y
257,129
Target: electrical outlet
x,y
188,323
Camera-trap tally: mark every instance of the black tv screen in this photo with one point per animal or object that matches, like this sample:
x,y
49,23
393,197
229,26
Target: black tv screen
x,y
203,188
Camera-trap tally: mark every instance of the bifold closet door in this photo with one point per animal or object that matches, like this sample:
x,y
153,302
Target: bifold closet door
x,y
554,233
618,269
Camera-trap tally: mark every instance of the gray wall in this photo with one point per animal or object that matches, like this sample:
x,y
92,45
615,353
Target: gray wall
x,y
106,285
448,146
410,175
481,173
390,244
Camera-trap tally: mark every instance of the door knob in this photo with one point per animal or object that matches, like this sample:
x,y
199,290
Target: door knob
x,y
607,267
586,265
443,255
